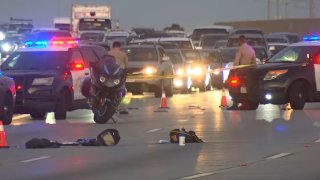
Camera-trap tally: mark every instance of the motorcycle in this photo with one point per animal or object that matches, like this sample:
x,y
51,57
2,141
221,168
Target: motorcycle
x,y
105,88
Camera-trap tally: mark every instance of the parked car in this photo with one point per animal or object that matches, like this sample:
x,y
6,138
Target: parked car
x,y
276,43
252,39
292,37
7,98
199,31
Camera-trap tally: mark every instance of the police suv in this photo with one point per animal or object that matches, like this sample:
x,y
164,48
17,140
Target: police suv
x,y
291,76
48,76
7,98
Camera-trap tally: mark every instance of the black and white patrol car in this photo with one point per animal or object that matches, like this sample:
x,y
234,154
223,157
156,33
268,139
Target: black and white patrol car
x,y
291,76
48,77
7,98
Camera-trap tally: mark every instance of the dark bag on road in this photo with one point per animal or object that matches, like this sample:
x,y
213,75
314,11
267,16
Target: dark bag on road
x,y
108,137
42,143
191,136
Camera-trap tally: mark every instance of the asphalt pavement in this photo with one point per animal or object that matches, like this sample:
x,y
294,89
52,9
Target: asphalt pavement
x,y
269,143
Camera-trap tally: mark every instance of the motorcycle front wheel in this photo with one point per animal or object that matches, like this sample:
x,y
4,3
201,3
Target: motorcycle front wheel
x,y
103,113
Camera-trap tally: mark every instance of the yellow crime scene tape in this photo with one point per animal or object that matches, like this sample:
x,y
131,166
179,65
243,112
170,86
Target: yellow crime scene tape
x,y
159,77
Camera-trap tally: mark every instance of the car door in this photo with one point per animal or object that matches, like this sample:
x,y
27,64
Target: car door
x,y
78,71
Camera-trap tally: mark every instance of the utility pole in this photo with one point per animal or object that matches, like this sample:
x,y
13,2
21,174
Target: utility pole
x,y
269,10
286,3
311,8
277,9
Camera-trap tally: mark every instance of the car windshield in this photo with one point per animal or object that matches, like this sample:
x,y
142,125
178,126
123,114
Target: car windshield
x,y
211,56
141,54
197,33
94,24
261,53
36,60
175,57
191,55
182,44
294,54
210,41
276,40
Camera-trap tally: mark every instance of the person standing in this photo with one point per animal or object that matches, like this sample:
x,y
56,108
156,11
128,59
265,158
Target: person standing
x,y
122,61
244,56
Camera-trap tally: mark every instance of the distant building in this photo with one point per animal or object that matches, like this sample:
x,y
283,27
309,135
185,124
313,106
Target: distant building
x,y
308,26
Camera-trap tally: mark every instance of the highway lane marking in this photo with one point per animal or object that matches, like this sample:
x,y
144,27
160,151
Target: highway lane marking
x,y
183,120
20,116
153,130
35,159
317,141
198,176
277,156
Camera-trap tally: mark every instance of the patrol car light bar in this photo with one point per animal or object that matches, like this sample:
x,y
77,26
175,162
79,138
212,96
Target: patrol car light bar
x,y
311,38
64,42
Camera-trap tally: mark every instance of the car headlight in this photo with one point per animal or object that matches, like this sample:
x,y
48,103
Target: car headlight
x,y
2,36
150,70
43,81
102,79
6,47
197,71
180,72
216,72
274,74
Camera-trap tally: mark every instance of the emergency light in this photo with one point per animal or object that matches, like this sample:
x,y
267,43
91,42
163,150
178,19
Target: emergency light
x,y
55,42
311,38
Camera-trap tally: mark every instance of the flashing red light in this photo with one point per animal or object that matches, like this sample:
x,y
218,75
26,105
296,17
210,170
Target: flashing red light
x,y
19,87
77,66
63,42
234,81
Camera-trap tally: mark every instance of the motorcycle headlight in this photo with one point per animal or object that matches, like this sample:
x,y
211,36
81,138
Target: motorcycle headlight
x,y
116,82
274,74
102,79
150,70
6,47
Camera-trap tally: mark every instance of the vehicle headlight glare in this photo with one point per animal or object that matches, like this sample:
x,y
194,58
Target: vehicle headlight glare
x,y
216,72
150,70
2,36
197,71
6,47
102,79
180,72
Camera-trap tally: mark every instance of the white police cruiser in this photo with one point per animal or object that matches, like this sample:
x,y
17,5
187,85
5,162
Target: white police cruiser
x,y
48,76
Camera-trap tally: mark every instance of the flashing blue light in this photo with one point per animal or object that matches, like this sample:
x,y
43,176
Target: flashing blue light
x,y
311,38
37,44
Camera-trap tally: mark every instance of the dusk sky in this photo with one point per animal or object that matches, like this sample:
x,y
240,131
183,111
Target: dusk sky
x,y
152,13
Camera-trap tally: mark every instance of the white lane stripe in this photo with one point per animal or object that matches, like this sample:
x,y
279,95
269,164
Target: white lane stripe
x,y
20,116
153,130
183,120
279,156
198,176
317,141
35,159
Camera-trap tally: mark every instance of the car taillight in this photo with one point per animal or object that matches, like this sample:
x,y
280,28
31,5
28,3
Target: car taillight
x,y
77,66
19,87
234,81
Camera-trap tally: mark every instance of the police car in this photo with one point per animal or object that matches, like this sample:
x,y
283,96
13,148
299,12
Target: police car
x,y
291,76
48,76
7,98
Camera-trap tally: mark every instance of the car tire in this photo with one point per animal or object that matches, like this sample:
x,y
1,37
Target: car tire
x,y
297,96
38,115
8,110
60,112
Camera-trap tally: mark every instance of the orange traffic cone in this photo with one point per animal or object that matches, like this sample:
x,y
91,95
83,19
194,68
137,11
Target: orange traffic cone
x,y
164,104
3,139
224,102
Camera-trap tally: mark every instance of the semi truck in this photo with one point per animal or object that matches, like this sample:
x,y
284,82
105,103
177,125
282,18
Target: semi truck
x,y
90,18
